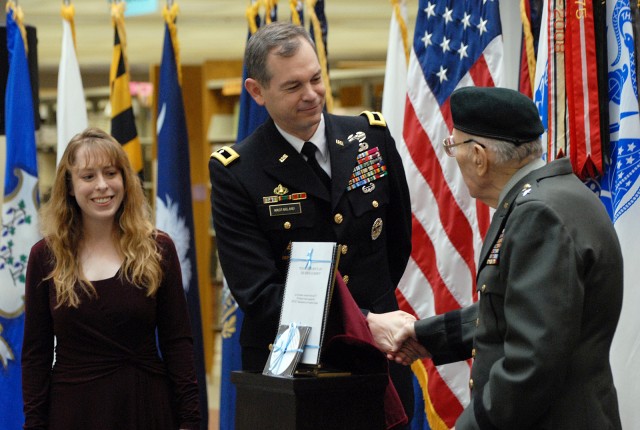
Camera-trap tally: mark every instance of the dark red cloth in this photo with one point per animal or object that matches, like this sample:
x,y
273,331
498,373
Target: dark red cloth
x,y
349,345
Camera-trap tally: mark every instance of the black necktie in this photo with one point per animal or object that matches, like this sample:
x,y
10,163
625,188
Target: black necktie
x,y
309,150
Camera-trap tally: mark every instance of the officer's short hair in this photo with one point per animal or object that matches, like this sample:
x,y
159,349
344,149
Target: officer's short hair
x,y
281,38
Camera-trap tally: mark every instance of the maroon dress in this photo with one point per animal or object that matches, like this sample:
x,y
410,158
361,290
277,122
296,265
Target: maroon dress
x,y
108,372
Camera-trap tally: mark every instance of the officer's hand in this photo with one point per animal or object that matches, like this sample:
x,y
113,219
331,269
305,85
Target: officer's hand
x,y
385,326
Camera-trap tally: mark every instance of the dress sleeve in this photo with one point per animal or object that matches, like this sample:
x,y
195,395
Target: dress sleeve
x,y
175,339
38,344
448,337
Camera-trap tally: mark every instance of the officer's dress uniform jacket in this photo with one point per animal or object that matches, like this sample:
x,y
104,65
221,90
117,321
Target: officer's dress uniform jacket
x,y
550,292
268,197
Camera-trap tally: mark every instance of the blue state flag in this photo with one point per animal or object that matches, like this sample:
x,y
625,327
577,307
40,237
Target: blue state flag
x,y
621,195
251,115
174,211
19,220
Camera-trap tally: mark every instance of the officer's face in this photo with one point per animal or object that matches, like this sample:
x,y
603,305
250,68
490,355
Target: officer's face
x,y
295,95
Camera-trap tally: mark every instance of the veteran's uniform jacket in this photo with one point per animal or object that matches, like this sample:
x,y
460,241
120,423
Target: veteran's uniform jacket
x,y
268,197
550,293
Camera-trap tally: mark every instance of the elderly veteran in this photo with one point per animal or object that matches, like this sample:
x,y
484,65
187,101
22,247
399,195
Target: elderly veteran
x,y
549,280
308,176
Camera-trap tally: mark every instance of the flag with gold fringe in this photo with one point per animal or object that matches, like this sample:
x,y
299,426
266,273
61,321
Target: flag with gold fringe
x,y
568,87
174,210
455,44
319,29
19,217
123,126
394,92
251,115
394,96
71,107
531,15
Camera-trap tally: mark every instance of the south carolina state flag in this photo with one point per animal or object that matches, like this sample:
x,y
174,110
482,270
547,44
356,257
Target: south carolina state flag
x,y
174,211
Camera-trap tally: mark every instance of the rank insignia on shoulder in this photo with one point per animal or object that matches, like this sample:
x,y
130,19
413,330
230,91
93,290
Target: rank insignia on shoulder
x,y
226,155
375,118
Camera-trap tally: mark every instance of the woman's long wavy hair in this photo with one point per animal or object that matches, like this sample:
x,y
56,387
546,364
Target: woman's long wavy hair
x,y
61,222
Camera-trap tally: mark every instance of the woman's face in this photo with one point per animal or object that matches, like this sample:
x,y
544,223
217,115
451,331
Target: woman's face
x,y
97,186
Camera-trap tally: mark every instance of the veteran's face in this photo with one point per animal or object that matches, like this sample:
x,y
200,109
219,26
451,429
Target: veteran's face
x,y
295,96
471,159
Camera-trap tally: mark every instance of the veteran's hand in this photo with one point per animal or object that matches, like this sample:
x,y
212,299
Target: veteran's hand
x,y
384,327
410,351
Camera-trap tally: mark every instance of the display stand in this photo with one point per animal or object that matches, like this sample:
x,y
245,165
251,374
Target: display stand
x,y
353,402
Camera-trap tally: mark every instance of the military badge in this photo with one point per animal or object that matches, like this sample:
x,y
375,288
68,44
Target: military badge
x,y
369,167
376,229
283,157
526,189
280,190
359,136
368,188
291,197
494,255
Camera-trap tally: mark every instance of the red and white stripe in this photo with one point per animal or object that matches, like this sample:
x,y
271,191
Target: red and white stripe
x,y
448,225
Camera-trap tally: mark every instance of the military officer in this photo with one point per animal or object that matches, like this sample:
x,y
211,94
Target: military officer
x,y
268,191
549,280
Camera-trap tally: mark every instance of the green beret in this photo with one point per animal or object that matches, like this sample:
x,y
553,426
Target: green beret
x,y
497,113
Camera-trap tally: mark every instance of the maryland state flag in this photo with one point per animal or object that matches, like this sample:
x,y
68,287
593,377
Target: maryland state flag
x,y
123,126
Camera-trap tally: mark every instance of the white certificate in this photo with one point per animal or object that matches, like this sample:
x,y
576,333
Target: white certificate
x,y
307,291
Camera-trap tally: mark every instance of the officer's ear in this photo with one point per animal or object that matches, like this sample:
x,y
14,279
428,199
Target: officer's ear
x,y
255,90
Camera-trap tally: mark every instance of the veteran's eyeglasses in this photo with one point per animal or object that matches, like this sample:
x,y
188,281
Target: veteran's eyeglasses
x,y
450,145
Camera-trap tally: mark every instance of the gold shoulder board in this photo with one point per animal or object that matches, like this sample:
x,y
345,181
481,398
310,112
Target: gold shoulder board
x,y
375,118
226,155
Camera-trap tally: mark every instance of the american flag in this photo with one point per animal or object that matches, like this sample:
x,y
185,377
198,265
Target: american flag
x,y
456,44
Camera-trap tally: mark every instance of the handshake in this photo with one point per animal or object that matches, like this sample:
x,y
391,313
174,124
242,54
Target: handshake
x,y
395,335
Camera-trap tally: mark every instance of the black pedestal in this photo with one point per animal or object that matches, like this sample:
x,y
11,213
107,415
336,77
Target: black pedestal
x,y
309,403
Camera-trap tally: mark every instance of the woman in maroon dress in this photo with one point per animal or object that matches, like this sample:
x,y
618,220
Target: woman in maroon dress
x,y
105,288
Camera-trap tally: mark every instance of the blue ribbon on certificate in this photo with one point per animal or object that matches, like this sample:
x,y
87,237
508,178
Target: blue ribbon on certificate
x,y
309,260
